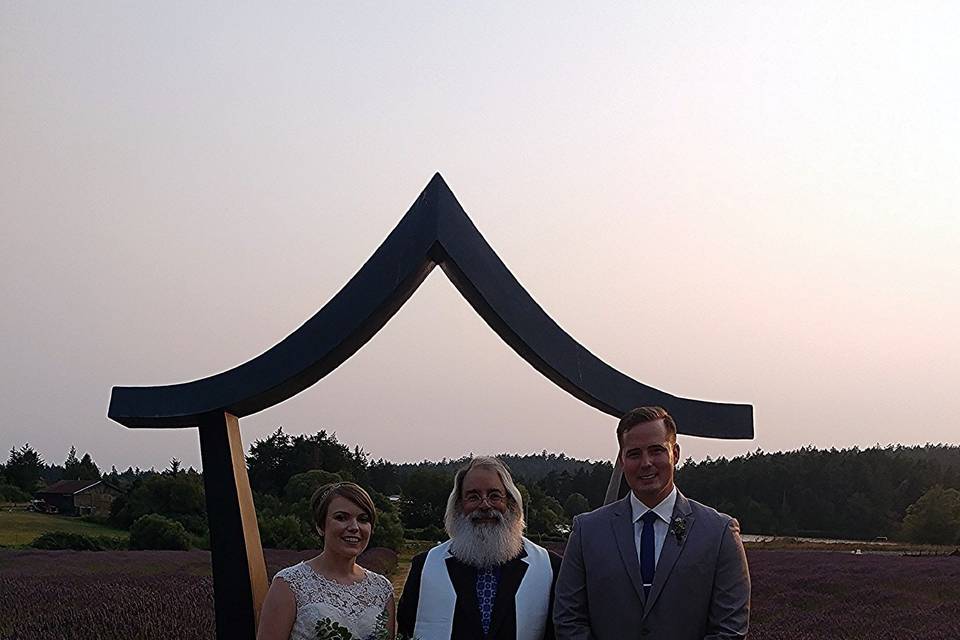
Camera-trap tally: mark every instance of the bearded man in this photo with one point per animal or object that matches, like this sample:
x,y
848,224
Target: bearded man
x,y
487,581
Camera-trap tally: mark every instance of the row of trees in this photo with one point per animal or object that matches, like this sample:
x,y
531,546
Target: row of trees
x,y
555,488
911,493
284,471
850,493
26,472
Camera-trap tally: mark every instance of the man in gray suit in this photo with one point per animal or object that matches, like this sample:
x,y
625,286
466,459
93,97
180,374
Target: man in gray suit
x,y
654,564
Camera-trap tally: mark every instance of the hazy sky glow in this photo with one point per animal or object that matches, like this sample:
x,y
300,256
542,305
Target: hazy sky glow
x,y
746,202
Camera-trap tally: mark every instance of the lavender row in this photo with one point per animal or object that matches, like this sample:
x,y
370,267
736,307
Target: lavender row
x,y
797,595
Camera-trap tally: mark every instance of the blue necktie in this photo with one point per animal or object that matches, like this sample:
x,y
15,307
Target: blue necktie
x,y
648,563
487,582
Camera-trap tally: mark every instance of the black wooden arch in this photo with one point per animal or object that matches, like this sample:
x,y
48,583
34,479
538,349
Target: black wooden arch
x,y
435,231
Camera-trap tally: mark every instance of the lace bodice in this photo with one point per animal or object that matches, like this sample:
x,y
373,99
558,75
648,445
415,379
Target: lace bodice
x,y
355,606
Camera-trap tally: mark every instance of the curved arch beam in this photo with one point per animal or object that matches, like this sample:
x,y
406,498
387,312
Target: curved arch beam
x,y
436,230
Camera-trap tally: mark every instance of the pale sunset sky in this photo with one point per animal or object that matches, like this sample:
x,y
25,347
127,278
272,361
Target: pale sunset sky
x,y
746,202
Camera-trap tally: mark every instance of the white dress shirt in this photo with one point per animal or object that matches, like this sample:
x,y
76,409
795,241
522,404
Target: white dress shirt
x,y
661,525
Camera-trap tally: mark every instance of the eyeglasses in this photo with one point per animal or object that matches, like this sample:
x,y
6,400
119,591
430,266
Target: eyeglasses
x,y
494,499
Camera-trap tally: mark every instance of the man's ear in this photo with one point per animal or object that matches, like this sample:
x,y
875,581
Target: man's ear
x,y
676,453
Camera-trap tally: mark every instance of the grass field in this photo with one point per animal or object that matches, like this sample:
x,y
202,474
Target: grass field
x,y
410,549
20,528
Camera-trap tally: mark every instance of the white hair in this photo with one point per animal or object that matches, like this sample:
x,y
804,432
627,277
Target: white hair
x,y
455,501
480,544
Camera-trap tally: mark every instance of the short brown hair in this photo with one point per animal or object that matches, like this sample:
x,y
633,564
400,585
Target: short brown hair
x,y
641,415
322,497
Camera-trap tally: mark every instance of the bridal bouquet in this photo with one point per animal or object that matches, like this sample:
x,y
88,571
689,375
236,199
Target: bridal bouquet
x,y
327,629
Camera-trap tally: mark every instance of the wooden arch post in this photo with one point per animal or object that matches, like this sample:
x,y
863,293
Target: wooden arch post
x,y
435,231
239,571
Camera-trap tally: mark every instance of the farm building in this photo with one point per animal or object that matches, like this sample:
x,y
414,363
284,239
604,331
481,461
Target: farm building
x,y
77,497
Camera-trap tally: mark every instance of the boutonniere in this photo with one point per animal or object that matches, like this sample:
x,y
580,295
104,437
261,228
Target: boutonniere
x,y
678,528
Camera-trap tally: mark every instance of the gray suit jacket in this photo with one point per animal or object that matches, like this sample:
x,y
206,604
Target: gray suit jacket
x,y
701,588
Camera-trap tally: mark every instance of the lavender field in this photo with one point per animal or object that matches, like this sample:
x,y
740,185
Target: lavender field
x,y
801,595
797,595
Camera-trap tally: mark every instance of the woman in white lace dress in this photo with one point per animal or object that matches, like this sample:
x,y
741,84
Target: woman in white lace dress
x,y
332,586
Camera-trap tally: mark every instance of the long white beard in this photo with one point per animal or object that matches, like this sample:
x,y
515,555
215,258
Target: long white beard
x,y
486,545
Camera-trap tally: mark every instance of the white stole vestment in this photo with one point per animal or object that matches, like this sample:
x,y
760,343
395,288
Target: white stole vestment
x,y
438,599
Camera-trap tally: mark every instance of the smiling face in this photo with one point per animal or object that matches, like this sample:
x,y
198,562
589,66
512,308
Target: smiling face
x,y
648,455
347,528
485,523
483,496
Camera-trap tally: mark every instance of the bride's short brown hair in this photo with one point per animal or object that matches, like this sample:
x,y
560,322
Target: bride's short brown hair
x,y
322,497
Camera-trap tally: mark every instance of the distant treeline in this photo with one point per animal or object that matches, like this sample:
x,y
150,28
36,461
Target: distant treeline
x,y
848,493
556,474
285,469
910,493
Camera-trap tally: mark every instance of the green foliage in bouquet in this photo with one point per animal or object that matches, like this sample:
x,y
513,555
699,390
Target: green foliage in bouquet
x,y
327,629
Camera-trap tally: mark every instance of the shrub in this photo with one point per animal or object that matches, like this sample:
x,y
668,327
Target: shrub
x,y
934,518
388,532
195,524
284,532
267,504
13,493
55,540
63,540
178,496
154,531
575,504
200,541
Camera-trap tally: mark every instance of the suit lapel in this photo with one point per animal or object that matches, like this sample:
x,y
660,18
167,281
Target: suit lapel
x,y
623,532
671,549
504,605
464,579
